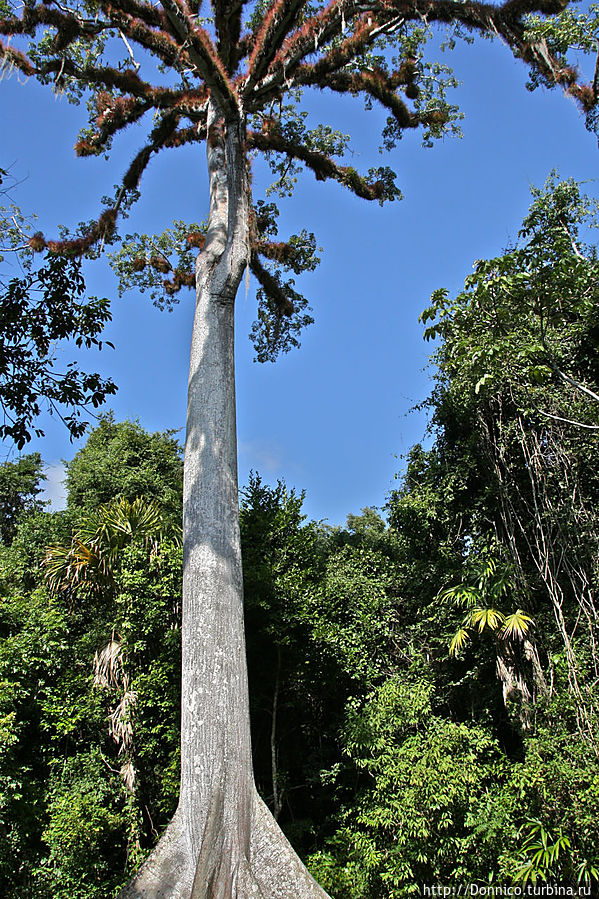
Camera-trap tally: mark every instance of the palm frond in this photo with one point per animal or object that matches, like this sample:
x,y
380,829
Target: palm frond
x,y
102,535
491,618
57,565
461,596
129,775
77,565
108,664
120,721
516,625
486,570
459,640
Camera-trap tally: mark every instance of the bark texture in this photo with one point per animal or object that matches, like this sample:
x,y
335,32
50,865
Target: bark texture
x,y
222,843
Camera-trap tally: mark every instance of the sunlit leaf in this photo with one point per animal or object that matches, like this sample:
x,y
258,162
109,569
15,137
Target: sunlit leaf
x,y
459,640
516,625
491,618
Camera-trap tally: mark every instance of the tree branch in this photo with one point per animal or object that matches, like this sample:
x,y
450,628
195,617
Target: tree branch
x,y
104,227
505,21
281,17
569,421
156,41
380,86
180,279
116,113
151,15
315,32
182,136
297,254
69,25
337,57
9,56
125,80
227,24
271,286
134,62
204,58
576,384
322,166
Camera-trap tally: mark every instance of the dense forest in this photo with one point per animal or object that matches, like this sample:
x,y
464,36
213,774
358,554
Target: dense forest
x,y
424,681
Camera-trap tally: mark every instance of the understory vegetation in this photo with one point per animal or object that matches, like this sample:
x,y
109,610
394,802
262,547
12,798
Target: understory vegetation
x,y
424,681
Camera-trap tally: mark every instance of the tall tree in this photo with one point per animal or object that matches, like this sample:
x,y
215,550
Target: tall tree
x,y
121,459
235,87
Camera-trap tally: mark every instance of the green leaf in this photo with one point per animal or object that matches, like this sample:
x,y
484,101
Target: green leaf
x,y
491,618
459,640
516,625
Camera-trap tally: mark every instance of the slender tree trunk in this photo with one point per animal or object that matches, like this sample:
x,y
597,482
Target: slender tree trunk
x,y
222,842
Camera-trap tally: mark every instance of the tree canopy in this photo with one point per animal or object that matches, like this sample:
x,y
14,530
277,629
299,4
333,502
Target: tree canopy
x,y
20,486
122,459
252,61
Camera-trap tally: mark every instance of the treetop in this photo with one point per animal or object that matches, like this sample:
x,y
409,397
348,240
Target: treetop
x,y
196,71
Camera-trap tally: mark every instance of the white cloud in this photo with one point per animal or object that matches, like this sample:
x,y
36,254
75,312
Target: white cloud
x,y
54,489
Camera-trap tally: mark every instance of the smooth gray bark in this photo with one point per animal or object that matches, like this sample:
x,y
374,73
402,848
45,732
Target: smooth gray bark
x,y
223,843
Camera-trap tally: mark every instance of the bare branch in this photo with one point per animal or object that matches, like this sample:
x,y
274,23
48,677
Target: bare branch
x,y
569,421
577,385
134,62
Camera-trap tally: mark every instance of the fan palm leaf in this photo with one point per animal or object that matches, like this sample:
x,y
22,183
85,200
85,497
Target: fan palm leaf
x,y
459,640
101,537
482,618
516,625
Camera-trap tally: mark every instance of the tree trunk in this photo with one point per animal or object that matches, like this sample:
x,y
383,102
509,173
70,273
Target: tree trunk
x,y
222,842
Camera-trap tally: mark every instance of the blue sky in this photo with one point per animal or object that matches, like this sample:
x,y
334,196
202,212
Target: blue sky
x,y
334,417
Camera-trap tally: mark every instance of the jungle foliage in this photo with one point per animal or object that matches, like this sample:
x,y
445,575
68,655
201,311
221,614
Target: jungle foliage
x,y
423,682
43,311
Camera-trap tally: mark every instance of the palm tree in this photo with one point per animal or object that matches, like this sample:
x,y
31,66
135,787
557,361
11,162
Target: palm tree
x,y
88,565
89,561
481,601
